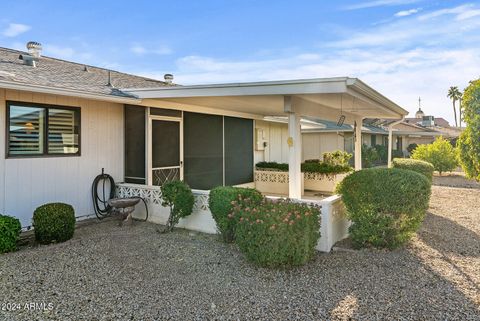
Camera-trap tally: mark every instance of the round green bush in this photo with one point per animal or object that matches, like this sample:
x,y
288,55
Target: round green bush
x,y
54,223
415,165
179,197
220,202
386,206
277,233
9,231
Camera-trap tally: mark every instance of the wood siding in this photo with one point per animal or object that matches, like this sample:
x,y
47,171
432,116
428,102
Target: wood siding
x,y
26,183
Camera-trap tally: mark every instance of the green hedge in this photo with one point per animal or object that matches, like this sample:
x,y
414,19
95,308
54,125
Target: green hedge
x,y
310,166
54,222
220,202
277,233
9,231
386,206
418,166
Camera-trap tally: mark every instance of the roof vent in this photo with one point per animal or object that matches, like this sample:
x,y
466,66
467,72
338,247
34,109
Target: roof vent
x,y
34,48
168,78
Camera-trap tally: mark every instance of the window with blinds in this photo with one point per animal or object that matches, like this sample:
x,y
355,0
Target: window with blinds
x,y
36,130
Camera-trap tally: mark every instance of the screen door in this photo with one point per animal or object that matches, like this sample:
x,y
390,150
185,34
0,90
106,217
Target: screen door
x,y
166,157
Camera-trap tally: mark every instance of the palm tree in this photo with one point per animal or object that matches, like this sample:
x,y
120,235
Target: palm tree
x,y
454,94
460,97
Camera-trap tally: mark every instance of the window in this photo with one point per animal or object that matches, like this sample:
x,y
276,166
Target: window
x,y
42,130
373,141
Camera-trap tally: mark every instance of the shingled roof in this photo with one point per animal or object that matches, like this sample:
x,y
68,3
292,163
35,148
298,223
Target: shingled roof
x,y
63,74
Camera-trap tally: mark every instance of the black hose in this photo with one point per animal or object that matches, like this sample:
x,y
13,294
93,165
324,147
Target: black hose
x,y
100,205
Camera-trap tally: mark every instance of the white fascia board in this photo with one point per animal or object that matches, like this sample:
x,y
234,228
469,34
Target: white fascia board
x,y
67,92
360,87
291,87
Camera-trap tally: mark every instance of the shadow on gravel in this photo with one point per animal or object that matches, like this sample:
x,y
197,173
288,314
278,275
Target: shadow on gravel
x,y
443,235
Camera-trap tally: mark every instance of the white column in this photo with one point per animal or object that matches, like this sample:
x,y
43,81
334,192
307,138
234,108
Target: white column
x,y
390,145
358,144
294,151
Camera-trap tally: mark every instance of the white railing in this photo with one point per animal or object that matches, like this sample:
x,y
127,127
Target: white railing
x,y
333,226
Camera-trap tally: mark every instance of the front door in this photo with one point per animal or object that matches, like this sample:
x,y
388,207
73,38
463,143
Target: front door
x,y
166,157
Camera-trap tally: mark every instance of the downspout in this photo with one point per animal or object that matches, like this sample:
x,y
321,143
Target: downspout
x,y
390,127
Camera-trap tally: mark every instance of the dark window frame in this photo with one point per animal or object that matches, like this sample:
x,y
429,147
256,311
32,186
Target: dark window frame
x,y
45,153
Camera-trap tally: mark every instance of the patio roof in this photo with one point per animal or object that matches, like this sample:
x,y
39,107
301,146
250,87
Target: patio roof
x,y
325,98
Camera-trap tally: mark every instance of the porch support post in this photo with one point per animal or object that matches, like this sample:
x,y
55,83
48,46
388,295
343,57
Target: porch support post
x,y
294,150
390,145
390,140
358,143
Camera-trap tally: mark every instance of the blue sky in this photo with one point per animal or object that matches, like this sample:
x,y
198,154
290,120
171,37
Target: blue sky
x,y
403,48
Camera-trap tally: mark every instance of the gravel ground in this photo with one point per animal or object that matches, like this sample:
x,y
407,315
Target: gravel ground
x,y
107,272
454,179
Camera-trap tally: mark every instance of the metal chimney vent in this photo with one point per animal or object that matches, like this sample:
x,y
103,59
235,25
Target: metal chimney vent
x,y
34,48
168,78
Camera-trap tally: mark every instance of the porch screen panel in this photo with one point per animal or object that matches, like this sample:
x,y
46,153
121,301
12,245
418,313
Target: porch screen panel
x,y
135,144
238,150
203,150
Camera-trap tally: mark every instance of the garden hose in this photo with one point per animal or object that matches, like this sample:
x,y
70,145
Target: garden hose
x,y
100,204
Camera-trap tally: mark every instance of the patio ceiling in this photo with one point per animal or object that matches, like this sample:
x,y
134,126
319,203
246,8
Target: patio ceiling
x,y
325,98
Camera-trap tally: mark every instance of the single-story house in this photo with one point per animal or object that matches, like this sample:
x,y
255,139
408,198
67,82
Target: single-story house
x,y
64,122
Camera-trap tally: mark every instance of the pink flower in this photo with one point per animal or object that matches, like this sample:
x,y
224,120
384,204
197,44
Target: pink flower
x,y
291,222
241,219
298,217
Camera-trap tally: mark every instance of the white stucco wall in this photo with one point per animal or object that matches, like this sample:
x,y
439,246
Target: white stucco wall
x,y
27,183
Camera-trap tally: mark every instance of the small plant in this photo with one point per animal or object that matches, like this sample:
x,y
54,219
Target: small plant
x,y
9,231
337,158
221,201
54,223
277,233
369,156
386,205
179,197
310,166
441,154
411,147
415,165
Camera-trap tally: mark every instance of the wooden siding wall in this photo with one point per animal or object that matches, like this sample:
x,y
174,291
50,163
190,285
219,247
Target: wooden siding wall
x,y
26,183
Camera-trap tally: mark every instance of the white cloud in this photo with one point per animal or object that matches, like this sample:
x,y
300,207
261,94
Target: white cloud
x,y
406,13
67,53
14,29
379,3
142,50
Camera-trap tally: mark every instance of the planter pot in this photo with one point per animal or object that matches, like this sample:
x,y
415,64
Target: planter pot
x,y
323,183
273,182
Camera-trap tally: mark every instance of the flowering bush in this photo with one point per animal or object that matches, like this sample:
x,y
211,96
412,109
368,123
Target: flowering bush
x,y
277,233
220,202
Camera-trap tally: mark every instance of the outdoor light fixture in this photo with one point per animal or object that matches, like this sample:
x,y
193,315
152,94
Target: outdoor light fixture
x,y
341,120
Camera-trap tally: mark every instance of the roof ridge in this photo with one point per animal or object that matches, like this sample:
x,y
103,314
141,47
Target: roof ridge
x,y
87,65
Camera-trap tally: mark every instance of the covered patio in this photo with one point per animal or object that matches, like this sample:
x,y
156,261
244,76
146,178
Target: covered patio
x,y
343,100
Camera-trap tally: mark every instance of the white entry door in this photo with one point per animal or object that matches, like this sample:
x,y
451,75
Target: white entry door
x,y
165,152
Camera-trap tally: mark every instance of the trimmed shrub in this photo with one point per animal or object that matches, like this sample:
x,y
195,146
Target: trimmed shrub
x,y
54,223
441,154
277,233
311,166
179,197
9,231
415,165
282,167
386,205
221,200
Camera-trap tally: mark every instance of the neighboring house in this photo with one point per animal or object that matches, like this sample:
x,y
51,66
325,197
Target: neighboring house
x,y
65,122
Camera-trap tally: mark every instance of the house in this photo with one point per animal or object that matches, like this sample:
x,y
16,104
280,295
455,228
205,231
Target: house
x,y
65,122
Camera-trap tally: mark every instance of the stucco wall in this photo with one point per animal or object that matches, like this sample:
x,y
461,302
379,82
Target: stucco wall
x,y
29,182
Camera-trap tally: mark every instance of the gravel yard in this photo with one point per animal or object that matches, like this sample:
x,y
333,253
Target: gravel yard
x,y
107,272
